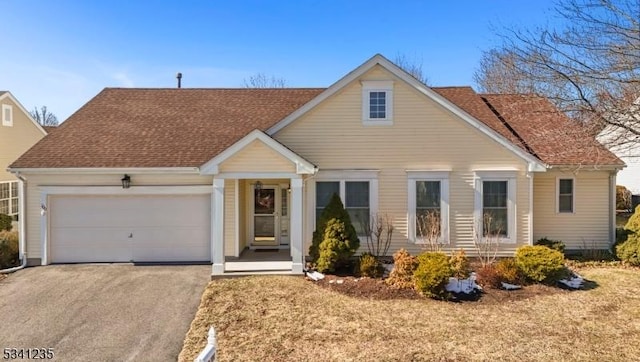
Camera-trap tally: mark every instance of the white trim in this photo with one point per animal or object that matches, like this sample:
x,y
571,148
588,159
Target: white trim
x,y
534,163
21,218
443,178
296,242
573,195
530,176
236,232
302,166
26,113
108,171
257,175
217,227
510,177
369,86
7,121
118,190
612,208
44,228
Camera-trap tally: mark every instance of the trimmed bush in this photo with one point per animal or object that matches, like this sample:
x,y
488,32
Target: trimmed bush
x,y
539,263
335,250
432,274
551,244
487,276
460,264
334,210
370,266
629,250
404,265
9,252
5,222
508,271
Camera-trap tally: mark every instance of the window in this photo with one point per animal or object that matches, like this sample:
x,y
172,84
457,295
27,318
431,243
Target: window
x,y
495,205
565,195
377,102
7,115
9,198
428,206
357,191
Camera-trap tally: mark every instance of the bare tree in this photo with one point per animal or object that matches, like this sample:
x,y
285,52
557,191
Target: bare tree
x,y
411,66
428,229
379,232
261,80
44,117
486,237
590,68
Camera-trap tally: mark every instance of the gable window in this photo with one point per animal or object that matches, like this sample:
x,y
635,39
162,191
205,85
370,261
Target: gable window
x,y
9,198
357,191
495,205
377,102
428,203
7,115
565,195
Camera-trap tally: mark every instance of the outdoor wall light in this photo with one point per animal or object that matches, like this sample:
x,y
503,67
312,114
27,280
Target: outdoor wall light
x,y
258,185
126,181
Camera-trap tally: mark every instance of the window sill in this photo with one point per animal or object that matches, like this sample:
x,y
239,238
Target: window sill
x,y
377,122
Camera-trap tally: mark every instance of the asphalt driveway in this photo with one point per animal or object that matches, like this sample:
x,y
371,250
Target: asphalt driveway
x,y
107,312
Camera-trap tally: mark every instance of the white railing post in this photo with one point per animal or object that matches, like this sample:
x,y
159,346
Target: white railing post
x,y
208,354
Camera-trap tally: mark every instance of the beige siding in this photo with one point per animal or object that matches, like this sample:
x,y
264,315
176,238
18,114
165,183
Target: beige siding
x,y
257,157
243,214
33,216
229,217
588,227
424,136
16,140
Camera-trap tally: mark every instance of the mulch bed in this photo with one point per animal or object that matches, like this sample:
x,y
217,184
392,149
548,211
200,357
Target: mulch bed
x,y
377,289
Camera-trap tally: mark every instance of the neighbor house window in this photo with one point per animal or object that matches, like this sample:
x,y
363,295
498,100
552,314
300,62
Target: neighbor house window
x,y
428,206
357,191
377,102
565,195
495,205
9,198
7,115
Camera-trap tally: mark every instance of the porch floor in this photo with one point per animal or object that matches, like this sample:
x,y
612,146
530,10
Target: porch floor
x,y
262,255
256,261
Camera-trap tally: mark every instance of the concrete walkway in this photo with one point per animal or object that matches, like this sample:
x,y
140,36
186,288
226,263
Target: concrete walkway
x,y
107,312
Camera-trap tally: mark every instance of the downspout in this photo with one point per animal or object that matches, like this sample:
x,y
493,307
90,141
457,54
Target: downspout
x,y
612,210
22,250
530,221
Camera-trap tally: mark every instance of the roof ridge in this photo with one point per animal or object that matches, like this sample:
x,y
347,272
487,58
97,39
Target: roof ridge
x,y
222,88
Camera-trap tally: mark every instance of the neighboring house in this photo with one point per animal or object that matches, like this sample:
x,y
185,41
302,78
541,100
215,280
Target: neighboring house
x,y
18,132
189,175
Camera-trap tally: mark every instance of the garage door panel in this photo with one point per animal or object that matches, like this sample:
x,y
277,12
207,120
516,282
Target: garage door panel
x,y
122,229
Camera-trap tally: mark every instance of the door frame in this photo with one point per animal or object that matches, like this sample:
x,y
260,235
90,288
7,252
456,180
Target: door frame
x,y
279,188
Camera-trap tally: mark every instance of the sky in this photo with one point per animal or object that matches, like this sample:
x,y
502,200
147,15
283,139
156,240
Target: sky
x,y
62,53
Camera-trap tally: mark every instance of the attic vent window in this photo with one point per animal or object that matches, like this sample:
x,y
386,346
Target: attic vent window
x,y
7,115
377,103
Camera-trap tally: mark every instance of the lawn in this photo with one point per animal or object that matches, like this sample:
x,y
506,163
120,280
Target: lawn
x,y
267,318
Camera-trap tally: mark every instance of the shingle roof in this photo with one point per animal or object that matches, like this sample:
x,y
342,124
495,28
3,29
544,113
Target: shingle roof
x,y
124,127
160,127
550,134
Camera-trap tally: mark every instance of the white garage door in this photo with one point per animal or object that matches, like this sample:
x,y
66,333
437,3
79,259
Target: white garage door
x,y
130,228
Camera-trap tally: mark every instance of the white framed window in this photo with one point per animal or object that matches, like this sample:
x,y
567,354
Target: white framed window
x,y
428,205
9,198
7,115
565,191
495,205
358,192
377,103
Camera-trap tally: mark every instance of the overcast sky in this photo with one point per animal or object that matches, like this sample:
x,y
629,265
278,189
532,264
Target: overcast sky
x,y
62,53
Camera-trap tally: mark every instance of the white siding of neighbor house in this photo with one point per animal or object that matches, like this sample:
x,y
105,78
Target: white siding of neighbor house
x,y
424,136
588,227
257,157
34,181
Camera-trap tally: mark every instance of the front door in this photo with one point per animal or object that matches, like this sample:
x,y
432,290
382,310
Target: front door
x,y
265,216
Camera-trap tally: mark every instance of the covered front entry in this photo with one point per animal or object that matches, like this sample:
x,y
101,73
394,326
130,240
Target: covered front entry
x,y
257,223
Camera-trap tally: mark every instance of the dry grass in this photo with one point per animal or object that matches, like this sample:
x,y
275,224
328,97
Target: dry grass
x,y
273,318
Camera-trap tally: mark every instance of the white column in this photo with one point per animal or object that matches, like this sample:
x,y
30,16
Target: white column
x,y
217,227
297,253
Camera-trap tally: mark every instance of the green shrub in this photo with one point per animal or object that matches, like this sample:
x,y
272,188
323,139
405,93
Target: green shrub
x,y
5,222
432,274
9,252
335,249
404,265
334,210
552,244
539,263
629,250
369,266
508,271
460,264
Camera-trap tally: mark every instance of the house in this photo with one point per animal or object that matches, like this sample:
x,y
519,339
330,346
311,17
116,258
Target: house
x,y
216,175
18,132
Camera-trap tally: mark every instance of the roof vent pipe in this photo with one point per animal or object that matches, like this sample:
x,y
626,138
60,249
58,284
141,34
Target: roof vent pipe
x,y
179,76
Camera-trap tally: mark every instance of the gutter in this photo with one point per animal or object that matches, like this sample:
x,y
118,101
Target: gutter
x,y
22,247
